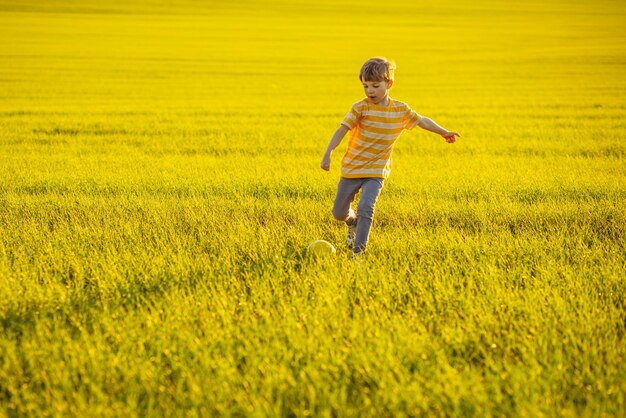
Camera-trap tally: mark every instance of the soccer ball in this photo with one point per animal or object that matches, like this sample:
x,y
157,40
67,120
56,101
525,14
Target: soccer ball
x,y
320,248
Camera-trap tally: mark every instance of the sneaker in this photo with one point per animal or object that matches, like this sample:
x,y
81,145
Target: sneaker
x,y
356,257
351,235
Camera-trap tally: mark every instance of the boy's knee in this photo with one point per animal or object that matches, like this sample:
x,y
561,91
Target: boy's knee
x,y
366,211
340,215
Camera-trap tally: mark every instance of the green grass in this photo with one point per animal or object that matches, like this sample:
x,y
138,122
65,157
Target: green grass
x,y
160,181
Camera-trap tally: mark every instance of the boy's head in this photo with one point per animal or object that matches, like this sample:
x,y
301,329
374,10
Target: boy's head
x,y
377,69
377,78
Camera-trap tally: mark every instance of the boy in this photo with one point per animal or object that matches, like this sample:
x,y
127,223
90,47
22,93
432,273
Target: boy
x,y
376,122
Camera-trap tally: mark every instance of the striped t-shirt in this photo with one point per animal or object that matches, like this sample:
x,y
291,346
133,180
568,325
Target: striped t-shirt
x,y
374,132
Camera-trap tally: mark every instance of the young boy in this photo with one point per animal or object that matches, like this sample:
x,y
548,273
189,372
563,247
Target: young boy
x,y
376,123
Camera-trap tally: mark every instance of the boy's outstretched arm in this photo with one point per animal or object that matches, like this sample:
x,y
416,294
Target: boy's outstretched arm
x,y
334,142
431,125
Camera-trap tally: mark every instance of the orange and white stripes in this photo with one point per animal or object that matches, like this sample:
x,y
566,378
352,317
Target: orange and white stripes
x,y
375,130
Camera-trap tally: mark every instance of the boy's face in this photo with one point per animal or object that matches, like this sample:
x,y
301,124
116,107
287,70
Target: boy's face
x,y
377,91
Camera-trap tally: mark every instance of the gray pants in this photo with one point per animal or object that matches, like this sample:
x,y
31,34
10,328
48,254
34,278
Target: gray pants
x,y
346,191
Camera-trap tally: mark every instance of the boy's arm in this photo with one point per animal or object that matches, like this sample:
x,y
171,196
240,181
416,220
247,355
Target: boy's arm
x,y
334,142
431,125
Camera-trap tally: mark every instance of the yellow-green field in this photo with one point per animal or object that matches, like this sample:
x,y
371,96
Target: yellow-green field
x,y
160,181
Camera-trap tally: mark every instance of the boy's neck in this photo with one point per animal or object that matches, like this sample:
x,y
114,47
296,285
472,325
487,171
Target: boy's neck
x,y
383,102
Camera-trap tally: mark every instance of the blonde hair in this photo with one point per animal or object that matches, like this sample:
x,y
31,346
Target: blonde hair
x,y
377,69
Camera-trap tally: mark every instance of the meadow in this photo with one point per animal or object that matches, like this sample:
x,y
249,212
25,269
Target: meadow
x,y
160,181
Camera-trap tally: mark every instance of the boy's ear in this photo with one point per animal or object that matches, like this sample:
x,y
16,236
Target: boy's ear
x,y
389,84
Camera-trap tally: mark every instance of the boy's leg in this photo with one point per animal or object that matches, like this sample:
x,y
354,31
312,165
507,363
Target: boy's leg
x,y
369,194
346,190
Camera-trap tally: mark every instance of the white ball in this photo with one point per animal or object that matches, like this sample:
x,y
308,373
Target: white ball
x,y
320,248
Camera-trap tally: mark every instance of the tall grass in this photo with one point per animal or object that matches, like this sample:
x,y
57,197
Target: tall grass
x,y
159,185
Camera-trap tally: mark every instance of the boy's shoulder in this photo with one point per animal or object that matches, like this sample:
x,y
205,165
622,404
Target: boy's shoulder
x,y
363,103
399,104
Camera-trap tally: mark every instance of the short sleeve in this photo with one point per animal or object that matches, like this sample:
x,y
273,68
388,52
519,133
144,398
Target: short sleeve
x,y
353,117
413,118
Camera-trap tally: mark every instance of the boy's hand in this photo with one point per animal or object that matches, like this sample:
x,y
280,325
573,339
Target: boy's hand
x,y
325,164
450,137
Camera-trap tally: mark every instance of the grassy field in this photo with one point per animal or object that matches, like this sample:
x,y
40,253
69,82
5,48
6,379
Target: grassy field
x,y
159,182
